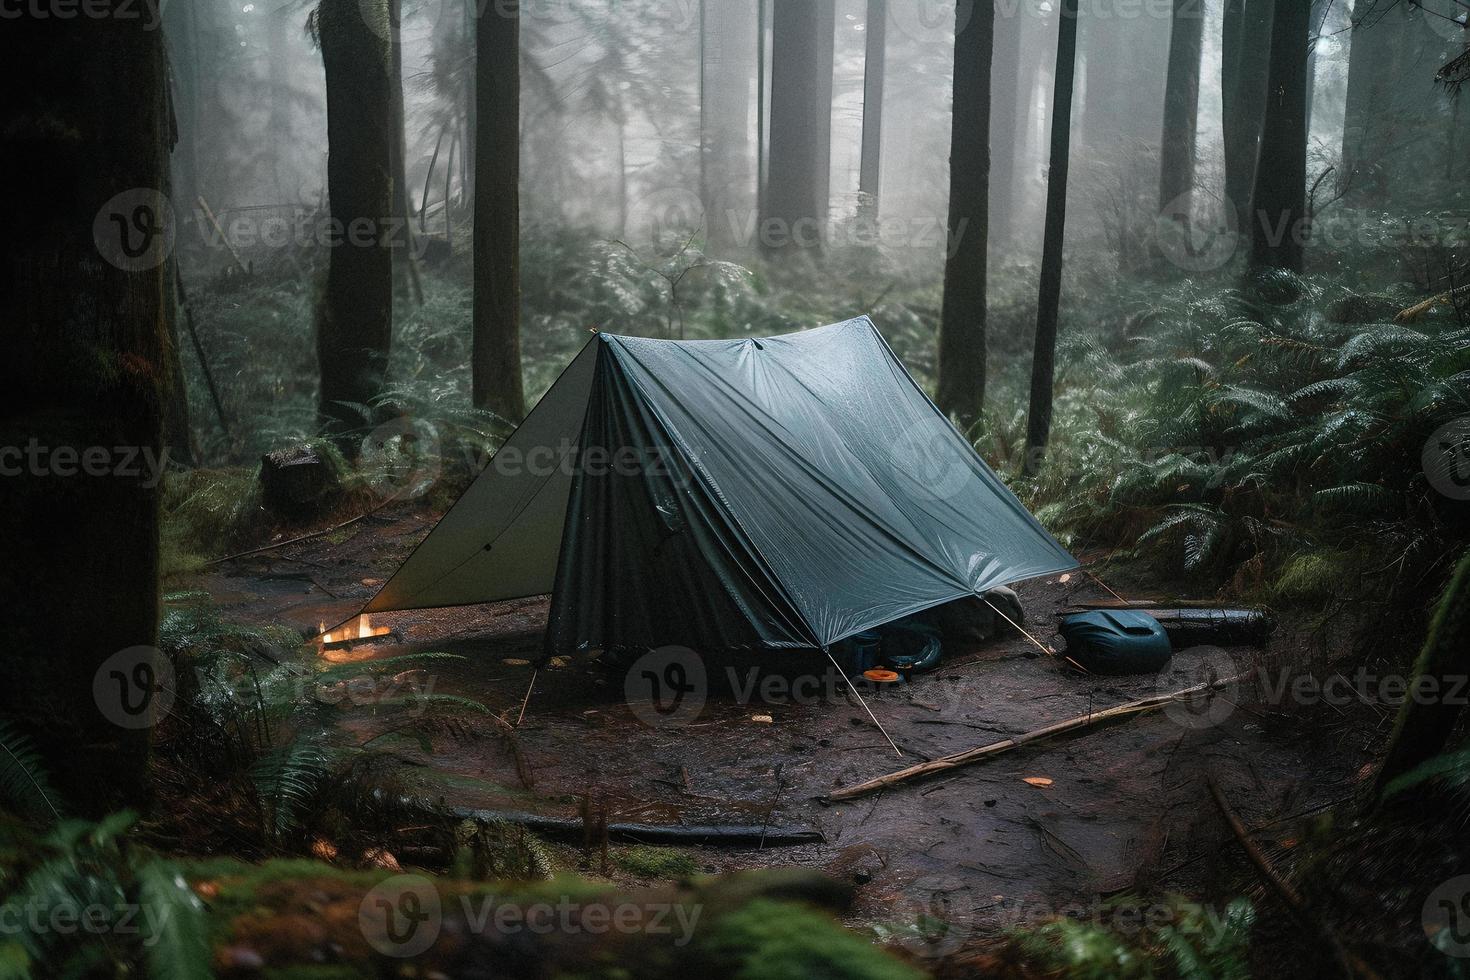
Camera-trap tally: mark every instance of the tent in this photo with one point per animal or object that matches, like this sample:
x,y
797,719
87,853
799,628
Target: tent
x,y
777,493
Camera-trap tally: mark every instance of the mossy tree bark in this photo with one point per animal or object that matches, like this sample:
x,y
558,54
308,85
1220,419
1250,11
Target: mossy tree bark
x,y
1278,218
1044,359
497,303
962,360
1433,707
82,295
355,315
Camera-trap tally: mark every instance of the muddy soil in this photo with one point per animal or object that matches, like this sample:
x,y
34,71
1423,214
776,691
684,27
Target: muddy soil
x,y
982,848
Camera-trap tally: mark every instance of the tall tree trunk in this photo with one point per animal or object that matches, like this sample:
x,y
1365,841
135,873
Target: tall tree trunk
x,y
1425,724
1181,109
1048,307
1007,115
496,360
1245,59
870,170
402,240
962,324
82,292
355,317
798,178
1279,201
727,182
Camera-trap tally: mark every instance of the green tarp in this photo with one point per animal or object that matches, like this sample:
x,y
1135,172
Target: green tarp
x,y
781,492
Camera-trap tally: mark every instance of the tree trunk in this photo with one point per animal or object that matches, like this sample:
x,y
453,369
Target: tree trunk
x,y
1007,116
1043,361
402,230
726,178
1245,59
1181,109
801,125
962,326
1279,201
82,292
497,328
870,169
355,316
1425,723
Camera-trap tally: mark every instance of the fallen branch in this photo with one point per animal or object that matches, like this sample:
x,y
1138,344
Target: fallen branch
x,y
1088,720
304,537
1351,965
1419,309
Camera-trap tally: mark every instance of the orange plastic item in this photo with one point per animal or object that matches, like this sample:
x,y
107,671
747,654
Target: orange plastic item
x,y
880,676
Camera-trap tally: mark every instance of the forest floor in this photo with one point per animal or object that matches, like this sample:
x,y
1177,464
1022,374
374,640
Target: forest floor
x,y
1113,809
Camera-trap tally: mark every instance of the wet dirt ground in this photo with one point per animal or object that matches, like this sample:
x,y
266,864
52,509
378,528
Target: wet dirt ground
x,y
1109,809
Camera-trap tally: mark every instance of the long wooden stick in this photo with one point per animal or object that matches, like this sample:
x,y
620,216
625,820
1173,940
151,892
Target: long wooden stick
x,y
1005,745
1350,964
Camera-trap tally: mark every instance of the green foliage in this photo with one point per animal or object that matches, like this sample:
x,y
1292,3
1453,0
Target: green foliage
x,y
23,781
136,908
660,863
778,941
1179,939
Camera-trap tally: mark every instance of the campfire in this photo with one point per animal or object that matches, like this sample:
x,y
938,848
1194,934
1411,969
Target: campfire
x,y
352,632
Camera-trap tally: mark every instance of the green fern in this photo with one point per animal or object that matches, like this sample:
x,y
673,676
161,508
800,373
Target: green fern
x,y
23,782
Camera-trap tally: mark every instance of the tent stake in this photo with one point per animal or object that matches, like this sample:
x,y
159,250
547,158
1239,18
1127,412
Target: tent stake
x,y
527,699
860,701
1044,649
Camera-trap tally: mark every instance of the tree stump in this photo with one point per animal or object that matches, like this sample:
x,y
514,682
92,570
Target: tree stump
x,y
299,482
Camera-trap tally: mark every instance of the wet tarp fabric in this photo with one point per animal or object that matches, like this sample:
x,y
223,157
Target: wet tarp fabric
x,y
775,493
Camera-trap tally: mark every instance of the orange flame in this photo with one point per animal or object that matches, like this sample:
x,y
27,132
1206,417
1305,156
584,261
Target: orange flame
x,y
362,629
